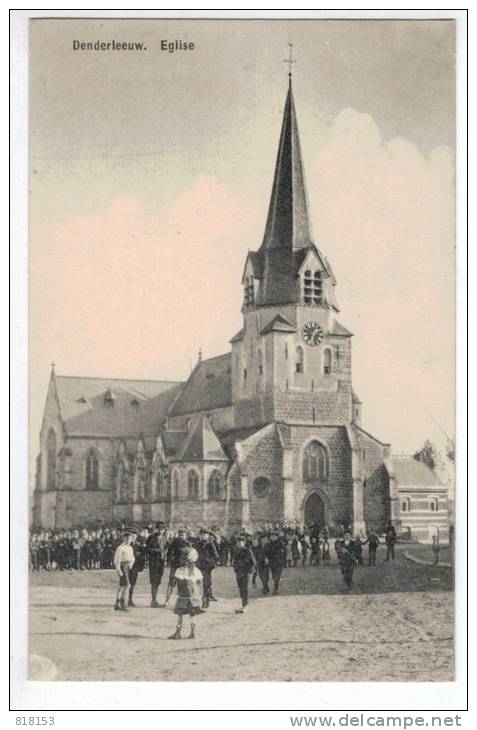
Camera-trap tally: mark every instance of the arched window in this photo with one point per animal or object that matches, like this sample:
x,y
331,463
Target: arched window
x,y
405,504
159,485
214,486
176,484
299,366
91,470
327,363
141,477
51,460
122,484
261,486
193,485
312,287
65,456
315,467
434,504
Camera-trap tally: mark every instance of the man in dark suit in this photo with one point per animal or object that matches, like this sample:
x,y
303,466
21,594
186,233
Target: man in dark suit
x,y
208,557
243,563
156,547
390,540
276,558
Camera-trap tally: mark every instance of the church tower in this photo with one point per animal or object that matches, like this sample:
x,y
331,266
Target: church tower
x,y
292,359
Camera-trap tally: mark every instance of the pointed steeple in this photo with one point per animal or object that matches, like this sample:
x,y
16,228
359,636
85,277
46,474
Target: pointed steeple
x,y
287,223
287,231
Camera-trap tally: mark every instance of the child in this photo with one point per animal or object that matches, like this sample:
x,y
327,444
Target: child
x,y
123,562
326,551
315,551
435,548
188,580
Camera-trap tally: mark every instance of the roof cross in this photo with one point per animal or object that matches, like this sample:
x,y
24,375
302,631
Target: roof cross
x,y
290,60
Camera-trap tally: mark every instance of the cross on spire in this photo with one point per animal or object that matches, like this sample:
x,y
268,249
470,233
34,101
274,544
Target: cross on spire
x,y
290,60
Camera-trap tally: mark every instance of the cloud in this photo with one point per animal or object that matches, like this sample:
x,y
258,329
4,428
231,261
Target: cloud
x,y
135,290
385,217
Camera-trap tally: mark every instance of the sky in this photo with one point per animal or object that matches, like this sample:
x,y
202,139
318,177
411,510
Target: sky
x,y
150,178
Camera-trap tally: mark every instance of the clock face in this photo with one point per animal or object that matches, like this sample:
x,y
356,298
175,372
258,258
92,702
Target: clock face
x,y
312,333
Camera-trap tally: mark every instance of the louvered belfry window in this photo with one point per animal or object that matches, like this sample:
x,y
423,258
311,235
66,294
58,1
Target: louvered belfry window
x,y
312,287
249,292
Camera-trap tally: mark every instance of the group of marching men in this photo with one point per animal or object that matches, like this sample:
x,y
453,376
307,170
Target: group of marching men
x,y
192,560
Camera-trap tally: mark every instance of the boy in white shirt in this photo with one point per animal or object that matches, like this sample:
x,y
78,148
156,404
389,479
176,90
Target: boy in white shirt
x,y
123,562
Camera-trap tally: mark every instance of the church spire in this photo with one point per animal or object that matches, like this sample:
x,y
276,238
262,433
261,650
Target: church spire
x,y
287,230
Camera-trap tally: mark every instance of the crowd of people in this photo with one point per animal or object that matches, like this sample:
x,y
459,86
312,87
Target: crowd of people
x,y
192,555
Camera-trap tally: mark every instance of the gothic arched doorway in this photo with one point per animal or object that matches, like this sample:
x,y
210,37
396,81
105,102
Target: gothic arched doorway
x,y
315,510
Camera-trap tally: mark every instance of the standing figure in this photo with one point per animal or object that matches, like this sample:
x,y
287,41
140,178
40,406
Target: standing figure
x,y
156,551
175,554
123,562
358,549
188,581
373,544
315,557
347,558
139,549
435,548
325,548
243,563
277,558
390,541
305,546
262,562
207,560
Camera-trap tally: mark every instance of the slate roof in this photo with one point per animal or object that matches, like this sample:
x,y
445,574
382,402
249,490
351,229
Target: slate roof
x,y
238,337
202,444
278,324
412,473
287,229
339,330
138,406
354,397
209,386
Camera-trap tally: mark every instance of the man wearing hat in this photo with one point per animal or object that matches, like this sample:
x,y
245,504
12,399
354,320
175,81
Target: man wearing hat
x,y
243,563
156,547
207,560
276,558
175,555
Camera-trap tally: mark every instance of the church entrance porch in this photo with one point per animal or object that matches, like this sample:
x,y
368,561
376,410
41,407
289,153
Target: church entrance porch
x,y
314,510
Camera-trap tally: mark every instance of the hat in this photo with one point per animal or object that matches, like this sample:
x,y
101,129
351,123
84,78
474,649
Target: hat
x,y
242,537
203,531
160,524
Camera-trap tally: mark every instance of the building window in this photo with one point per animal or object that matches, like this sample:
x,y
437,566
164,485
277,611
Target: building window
x,y
176,484
337,355
51,460
215,485
434,505
193,485
159,485
406,505
92,470
327,367
141,482
312,287
261,486
249,292
245,373
315,467
299,368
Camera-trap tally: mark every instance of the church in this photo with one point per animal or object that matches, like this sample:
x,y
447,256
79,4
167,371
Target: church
x,y
270,431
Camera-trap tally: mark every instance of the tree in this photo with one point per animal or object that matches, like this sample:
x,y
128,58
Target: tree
x,y
428,455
